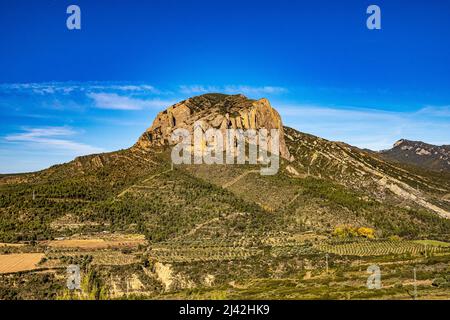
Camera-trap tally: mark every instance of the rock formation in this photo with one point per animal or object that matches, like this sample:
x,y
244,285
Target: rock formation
x,y
217,111
420,154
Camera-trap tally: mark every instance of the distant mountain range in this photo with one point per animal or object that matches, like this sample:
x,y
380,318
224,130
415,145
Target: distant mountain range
x,y
420,154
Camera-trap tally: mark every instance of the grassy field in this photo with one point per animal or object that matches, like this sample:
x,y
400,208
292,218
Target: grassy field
x,y
382,248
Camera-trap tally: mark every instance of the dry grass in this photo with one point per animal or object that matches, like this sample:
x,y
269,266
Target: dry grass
x,y
107,242
13,245
100,257
379,248
79,243
19,262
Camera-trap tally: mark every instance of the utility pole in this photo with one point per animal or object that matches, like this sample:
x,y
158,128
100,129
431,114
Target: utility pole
x,y
326,262
415,284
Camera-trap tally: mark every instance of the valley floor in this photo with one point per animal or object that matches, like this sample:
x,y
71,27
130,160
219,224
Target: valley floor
x,y
303,266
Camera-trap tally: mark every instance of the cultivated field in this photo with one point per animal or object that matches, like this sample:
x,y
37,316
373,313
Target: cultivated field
x,y
98,257
11,245
380,248
113,241
191,254
19,262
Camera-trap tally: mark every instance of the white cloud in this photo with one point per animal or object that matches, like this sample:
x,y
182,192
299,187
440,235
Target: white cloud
x,y
135,88
52,138
438,111
366,127
114,101
131,89
345,113
232,89
49,88
363,127
195,89
255,90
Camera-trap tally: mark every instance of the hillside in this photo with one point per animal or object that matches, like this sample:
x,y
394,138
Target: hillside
x,y
195,216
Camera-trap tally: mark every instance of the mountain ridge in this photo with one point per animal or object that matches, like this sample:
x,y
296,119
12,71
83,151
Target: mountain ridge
x,y
313,160
420,154
138,224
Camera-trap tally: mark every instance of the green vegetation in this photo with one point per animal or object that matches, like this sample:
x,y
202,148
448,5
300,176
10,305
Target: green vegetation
x,y
25,286
380,248
408,223
345,232
225,231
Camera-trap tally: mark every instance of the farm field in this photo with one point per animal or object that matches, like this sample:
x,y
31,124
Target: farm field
x,y
190,254
433,243
114,241
381,248
11,245
276,266
19,262
347,279
97,258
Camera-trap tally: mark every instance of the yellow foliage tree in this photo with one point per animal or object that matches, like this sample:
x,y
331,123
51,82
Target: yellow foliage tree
x,y
368,233
353,232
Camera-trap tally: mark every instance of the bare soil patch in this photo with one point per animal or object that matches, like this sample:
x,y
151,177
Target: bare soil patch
x,y
19,262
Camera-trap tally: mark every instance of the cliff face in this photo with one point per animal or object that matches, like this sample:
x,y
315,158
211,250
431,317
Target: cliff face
x,y
214,111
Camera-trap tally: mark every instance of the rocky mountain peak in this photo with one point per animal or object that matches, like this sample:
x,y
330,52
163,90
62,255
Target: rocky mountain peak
x,y
420,154
217,111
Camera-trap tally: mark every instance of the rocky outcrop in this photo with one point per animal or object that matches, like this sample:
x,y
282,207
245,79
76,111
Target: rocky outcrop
x,y
420,154
217,111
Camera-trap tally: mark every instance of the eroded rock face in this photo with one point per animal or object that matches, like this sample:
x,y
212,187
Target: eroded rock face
x,y
217,111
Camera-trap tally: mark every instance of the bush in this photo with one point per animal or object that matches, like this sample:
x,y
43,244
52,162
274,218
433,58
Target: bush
x,y
345,232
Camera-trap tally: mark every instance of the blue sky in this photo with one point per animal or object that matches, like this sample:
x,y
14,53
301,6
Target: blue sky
x,y
67,93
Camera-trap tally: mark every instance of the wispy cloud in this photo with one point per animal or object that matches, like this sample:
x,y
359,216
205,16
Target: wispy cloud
x,y
131,89
255,90
232,89
353,113
368,127
52,138
364,127
135,88
49,88
438,111
113,101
